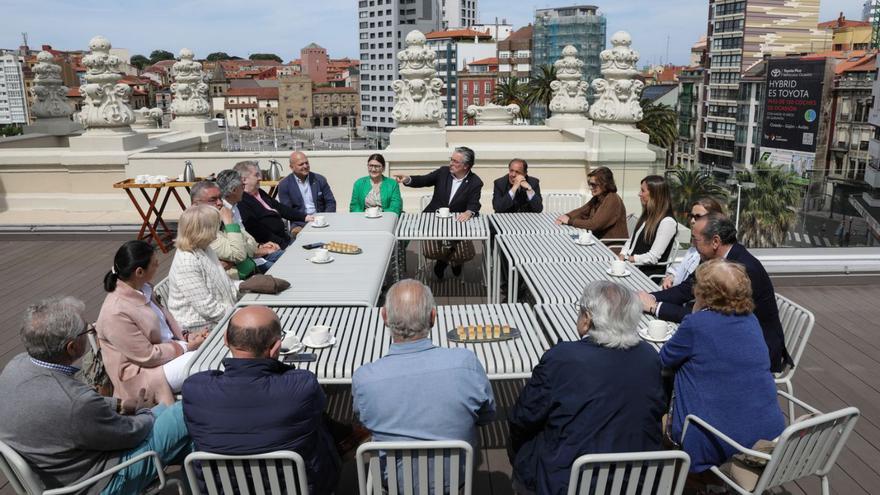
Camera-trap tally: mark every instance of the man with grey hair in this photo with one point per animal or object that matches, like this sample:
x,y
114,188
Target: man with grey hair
x,y
600,394
419,391
62,427
263,215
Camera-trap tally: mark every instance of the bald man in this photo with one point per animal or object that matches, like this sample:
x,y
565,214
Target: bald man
x,y
306,192
257,404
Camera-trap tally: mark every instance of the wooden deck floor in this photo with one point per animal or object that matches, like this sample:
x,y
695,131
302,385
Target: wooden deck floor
x,y
840,367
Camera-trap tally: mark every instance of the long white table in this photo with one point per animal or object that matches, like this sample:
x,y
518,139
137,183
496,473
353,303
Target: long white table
x,y
560,322
350,280
528,223
361,337
430,227
518,249
355,222
554,283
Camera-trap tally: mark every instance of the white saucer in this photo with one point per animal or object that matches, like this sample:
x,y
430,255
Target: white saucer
x,y
377,216
643,333
626,273
292,344
329,343
313,260
314,225
579,243
444,216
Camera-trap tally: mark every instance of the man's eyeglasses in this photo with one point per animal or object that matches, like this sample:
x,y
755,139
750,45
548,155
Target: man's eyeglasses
x,y
696,216
90,328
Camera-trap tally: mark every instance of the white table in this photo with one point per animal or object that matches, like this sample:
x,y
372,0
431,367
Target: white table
x,y
554,283
560,322
355,222
518,249
350,280
430,227
528,223
361,337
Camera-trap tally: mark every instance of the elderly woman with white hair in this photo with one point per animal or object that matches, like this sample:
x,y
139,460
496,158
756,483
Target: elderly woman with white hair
x,y
600,394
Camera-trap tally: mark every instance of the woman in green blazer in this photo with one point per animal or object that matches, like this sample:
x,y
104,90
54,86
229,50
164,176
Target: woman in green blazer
x,y
375,189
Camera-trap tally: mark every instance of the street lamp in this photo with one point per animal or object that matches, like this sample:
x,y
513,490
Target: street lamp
x,y
739,187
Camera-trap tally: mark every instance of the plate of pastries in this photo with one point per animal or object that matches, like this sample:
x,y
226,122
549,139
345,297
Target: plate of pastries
x,y
482,333
342,248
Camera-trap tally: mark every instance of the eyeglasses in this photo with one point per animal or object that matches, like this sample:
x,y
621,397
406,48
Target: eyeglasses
x,y
453,160
696,216
90,328
592,184
375,167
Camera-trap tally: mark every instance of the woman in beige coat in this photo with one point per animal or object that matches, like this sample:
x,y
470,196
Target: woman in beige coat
x,y
141,344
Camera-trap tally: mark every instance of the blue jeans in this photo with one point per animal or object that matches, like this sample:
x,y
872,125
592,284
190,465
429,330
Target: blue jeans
x,y
270,260
169,439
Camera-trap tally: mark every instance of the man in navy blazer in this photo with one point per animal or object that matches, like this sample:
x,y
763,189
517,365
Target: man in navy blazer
x,y
258,404
306,192
517,192
714,236
455,186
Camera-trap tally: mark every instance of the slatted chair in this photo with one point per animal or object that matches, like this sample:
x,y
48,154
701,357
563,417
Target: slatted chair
x,y
660,473
797,325
563,202
284,471
658,278
161,290
24,480
413,459
806,448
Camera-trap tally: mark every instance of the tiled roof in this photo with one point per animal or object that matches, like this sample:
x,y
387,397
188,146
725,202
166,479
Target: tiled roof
x,y
522,33
857,64
456,33
260,93
843,23
485,61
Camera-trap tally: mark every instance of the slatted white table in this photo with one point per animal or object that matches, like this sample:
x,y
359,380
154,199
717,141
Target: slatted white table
x,y
518,249
430,227
361,337
528,223
350,280
560,322
554,283
355,222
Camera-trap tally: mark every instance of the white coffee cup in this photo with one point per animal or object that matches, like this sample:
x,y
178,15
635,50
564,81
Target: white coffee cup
x,y
318,334
657,329
142,179
618,267
585,237
321,254
320,220
443,212
373,211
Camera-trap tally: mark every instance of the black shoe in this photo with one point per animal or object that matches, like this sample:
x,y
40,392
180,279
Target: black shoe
x,y
439,268
456,270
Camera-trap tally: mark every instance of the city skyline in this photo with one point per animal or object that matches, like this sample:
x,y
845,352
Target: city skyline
x,y
207,27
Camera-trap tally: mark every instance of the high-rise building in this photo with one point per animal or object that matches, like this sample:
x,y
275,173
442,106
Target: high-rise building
x,y
740,33
13,101
458,13
691,88
455,48
382,29
515,55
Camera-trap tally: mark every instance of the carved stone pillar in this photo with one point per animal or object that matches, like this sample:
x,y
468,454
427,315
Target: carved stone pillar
x,y
417,93
189,88
618,91
492,114
105,99
51,106
148,118
569,88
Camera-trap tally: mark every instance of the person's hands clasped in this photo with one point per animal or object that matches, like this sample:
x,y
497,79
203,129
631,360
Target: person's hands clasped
x,y
649,302
562,220
266,248
465,216
195,339
667,282
523,183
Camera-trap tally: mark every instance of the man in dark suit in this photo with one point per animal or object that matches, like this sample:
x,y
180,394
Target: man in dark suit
x,y
517,192
714,236
306,192
258,404
456,188
262,215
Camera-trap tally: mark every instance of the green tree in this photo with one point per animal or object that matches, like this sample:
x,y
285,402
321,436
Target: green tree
x,y
159,55
139,61
767,211
539,92
688,186
512,90
265,56
660,123
213,57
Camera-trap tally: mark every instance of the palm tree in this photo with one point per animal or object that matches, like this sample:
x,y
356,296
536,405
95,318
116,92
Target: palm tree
x,y
688,186
660,123
539,92
512,90
767,212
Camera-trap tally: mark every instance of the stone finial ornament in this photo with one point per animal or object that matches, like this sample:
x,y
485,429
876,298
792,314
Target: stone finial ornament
x,y
619,91
147,117
189,87
417,93
569,88
492,114
50,95
105,100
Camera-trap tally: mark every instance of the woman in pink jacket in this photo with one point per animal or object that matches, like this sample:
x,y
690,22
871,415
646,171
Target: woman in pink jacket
x,y
141,344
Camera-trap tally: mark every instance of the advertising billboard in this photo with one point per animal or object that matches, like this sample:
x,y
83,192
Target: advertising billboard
x,y
791,110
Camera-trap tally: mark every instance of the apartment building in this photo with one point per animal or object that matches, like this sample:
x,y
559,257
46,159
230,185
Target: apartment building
x,y
458,13
455,48
515,54
13,101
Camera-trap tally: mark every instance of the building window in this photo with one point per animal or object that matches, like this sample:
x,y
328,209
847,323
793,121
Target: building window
x,y
487,88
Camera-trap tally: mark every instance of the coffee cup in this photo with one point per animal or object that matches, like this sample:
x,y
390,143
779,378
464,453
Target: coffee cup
x,y
373,211
618,267
320,220
318,334
585,237
321,255
443,212
657,329
142,179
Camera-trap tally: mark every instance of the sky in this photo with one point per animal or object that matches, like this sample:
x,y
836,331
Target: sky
x,y
283,27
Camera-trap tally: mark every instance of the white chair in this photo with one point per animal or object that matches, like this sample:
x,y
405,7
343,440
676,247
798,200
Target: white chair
x,y
563,202
424,200
658,278
616,243
797,325
24,480
416,460
246,474
806,448
161,290
660,473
